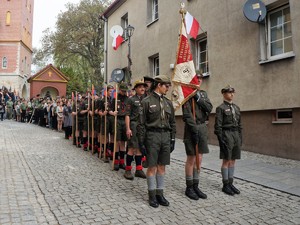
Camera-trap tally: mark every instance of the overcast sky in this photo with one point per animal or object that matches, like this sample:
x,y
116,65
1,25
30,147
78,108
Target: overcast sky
x,y
45,16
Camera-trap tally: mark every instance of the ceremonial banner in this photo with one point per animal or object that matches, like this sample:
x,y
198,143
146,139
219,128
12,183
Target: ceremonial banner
x,y
184,79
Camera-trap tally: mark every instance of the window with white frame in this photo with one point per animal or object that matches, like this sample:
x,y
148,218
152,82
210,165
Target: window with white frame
x,y
280,31
156,66
276,33
154,10
202,56
4,63
124,24
283,116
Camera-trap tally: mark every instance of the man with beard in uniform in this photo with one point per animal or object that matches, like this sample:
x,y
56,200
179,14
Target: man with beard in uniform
x,y
195,132
120,113
156,134
148,81
228,129
133,111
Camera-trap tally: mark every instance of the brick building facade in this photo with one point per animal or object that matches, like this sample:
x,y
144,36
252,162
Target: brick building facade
x,y
16,23
48,82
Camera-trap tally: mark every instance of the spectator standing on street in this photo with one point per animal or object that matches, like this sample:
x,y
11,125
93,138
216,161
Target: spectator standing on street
x,y
156,135
1,96
228,129
23,107
67,111
54,114
195,114
18,111
9,108
2,110
59,112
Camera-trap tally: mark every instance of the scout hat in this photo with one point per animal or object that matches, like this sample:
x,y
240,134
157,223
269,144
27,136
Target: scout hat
x,y
147,78
163,79
123,87
138,83
227,88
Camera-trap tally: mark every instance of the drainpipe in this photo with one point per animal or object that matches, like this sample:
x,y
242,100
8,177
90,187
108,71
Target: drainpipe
x,y
105,48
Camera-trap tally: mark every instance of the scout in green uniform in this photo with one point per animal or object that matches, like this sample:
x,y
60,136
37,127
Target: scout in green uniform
x,y
228,129
195,132
133,111
149,82
104,108
97,124
120,113
110,122
93,119
156,134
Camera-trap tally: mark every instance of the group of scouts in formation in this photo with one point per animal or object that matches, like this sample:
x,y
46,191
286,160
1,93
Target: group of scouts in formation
x,y
141,129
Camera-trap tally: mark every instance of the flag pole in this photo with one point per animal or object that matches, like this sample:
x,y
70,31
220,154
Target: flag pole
x,y
100,129
196,146
88,121
182,11
93,132
76,122
73,128
115,128
105,126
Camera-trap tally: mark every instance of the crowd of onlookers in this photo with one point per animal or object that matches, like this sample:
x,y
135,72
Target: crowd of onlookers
x,y
55,114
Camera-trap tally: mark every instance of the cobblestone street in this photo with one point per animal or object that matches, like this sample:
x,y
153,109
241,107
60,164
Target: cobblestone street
x,y
44,179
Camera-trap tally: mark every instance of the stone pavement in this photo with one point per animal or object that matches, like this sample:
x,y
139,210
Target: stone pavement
x,y
46,180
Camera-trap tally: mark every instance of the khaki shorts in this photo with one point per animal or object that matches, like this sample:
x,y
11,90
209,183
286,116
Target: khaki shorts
x,y
133,141
202,145
121,129
158,148
233,144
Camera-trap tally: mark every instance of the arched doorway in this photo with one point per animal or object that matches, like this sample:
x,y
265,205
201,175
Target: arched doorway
x,y
49,92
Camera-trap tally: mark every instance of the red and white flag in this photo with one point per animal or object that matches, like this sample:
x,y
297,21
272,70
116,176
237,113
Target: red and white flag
x,y
185,81
117,41
192,25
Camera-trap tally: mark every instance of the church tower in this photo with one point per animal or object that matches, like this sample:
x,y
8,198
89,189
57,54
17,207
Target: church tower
x,y
16,22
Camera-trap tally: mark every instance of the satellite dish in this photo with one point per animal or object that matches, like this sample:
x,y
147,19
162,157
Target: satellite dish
x,y
255,11
116,30
117,75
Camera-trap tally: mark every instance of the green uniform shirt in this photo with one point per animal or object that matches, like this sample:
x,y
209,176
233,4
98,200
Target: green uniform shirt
x,y
151,117
121,105
203,108
226,119
133,107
